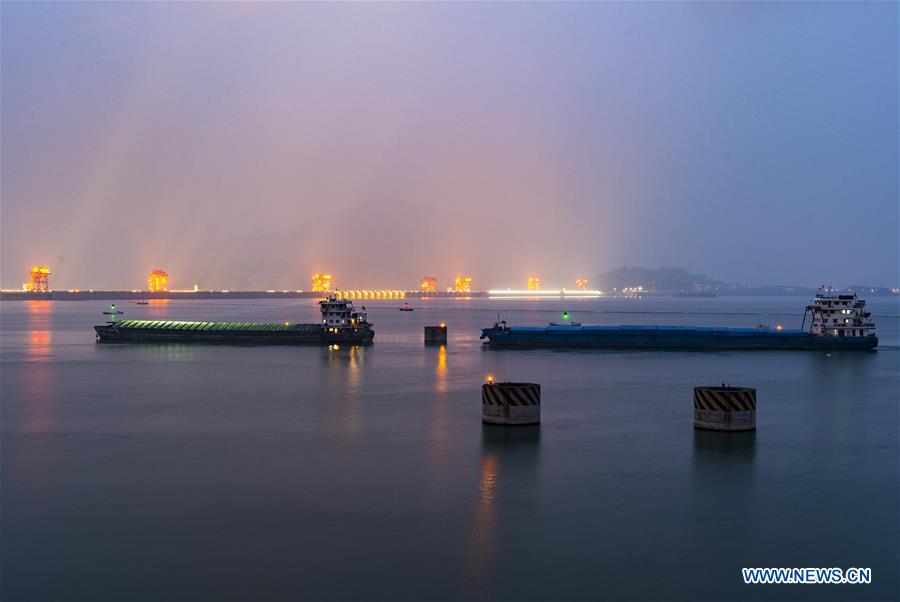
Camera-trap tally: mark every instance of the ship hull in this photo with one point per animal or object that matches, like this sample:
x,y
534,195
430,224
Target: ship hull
x,y
643,337
310,336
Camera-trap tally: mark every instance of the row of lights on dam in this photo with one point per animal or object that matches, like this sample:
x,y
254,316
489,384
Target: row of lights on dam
x,y
158,281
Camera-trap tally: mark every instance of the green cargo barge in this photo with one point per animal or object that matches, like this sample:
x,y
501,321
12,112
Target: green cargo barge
x,y
341,324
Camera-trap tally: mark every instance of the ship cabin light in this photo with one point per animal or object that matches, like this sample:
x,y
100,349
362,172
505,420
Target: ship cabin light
x,y
778,327
490,379
443,325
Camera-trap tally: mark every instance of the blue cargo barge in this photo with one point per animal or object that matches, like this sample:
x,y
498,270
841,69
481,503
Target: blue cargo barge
x,y
838,321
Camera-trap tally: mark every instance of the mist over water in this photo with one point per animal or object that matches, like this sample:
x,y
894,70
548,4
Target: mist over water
x,y
248,145
232,472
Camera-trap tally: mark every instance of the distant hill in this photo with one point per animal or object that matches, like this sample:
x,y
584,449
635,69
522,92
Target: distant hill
x,y
663,279
667,280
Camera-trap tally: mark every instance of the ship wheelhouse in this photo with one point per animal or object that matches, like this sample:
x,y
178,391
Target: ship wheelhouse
x,y
339,314
838,314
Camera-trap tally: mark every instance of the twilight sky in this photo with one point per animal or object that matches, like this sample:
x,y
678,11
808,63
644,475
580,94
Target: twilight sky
x,y
246,145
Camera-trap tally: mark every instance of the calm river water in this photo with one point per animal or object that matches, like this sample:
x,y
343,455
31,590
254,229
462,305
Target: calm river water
x,y
167,472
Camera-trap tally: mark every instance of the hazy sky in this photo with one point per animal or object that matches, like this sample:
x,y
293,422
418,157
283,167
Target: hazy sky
x,y
246,145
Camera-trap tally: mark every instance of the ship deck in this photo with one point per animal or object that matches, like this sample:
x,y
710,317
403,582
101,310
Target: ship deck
x,y
669,337
659,330
190,326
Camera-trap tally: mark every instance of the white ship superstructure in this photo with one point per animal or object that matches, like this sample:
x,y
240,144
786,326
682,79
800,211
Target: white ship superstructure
x,y
839,314
339,314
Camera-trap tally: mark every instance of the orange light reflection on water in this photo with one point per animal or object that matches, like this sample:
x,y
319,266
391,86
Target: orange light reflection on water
x,y
39,387
482,556
441,385
345,373
40,334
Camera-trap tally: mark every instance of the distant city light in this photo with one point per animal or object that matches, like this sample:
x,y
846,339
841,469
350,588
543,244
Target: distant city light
x,y
429,284
158,281
544,294
321,283
40,279
462,284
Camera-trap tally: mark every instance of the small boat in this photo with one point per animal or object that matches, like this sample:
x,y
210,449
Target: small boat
x,y
113,312
565,317
406,307
143,303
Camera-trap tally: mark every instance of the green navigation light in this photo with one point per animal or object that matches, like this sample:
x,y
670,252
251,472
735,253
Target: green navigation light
x,y
565,315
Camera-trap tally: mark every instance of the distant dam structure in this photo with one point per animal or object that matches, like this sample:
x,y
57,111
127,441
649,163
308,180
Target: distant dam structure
x,y
373,294
123,295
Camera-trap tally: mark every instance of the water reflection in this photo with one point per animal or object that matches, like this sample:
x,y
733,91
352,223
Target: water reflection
x,y
39,397
830,397
724,476
350,358
160,303
511,454
439,431
40,334
168,352
519,440
344,370
441,370
715,449
39,344
39,308
481,558
39,383
439,457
